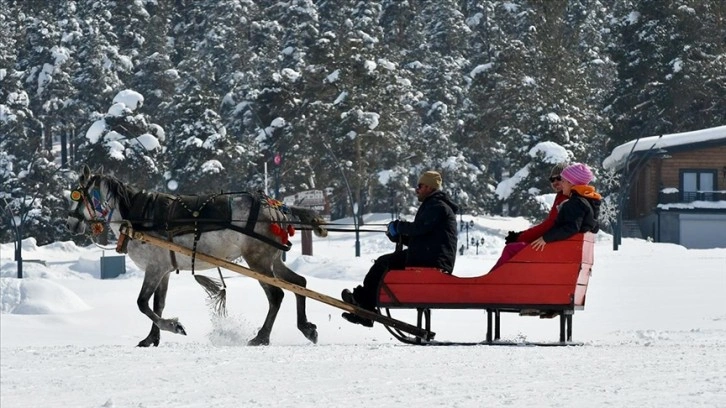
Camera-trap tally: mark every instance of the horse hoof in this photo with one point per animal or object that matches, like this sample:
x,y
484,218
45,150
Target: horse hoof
x,y
258,342
310,332
171,325
148,343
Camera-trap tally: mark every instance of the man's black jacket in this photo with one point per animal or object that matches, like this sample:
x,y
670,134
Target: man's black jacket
x,y
432,236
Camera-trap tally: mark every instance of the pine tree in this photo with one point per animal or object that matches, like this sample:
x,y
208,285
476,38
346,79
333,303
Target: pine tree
x,y
203,156
126,143
31,196
669,55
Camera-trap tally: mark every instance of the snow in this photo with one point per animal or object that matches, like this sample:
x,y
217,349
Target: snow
x,y
148,142
131,99
342,97
384,176
118,110
617,158
551,152
6,115
45,77
278,123
506,187
695,204
370,66
212,167
633,17
332,77
654,334
386,64
115,149
36,297
20,98
370,119
290,74
480,69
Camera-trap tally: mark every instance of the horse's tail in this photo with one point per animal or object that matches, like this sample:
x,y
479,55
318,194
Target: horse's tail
x,y
311,218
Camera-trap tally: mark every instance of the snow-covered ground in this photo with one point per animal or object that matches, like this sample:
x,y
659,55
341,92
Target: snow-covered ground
x,y
654,333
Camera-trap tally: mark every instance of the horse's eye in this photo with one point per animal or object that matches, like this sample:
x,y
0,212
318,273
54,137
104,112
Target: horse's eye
x,y
76,195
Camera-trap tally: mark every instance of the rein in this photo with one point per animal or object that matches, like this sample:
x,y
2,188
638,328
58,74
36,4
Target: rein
x,y
102,214
301,226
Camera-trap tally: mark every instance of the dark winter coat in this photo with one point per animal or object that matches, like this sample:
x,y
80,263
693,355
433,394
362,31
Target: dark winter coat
x,y
432,236
578,214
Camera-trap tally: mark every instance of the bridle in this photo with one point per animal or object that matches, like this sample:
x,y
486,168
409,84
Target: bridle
x,y
99,208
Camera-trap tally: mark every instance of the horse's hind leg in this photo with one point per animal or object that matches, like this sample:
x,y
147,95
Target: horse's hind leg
x,y
158,288
309,330
274,299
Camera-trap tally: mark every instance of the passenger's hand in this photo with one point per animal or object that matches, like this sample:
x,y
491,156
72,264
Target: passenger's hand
x,y
511,237
539,244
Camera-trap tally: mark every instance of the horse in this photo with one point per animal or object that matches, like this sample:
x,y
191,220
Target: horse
x,y
227,226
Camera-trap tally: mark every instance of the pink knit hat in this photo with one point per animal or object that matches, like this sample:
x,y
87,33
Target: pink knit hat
x,y
577,173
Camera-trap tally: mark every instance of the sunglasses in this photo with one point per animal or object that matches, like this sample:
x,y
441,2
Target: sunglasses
x,y
555,178
420,186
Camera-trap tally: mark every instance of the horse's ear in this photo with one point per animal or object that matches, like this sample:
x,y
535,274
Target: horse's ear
x,y
85,173
99,170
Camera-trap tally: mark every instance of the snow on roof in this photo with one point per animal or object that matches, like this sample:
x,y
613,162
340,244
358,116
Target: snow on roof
x,y
620,153
695,204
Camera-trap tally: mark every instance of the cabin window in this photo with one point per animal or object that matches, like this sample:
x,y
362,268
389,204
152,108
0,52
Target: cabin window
x,y
698,185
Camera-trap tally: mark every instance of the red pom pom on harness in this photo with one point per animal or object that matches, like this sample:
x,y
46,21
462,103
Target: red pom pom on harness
x,y
278,231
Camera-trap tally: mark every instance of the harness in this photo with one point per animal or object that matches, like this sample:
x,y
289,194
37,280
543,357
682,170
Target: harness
x,y
172,216
99,208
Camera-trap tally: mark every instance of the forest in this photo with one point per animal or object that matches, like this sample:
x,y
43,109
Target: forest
x,y
355,98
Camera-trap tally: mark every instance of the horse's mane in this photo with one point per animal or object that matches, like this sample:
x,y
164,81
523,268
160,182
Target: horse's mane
x,y
118,191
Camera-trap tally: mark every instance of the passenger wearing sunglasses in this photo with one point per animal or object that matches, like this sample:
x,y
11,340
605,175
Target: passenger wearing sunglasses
x,y
534,232
579,213
431,240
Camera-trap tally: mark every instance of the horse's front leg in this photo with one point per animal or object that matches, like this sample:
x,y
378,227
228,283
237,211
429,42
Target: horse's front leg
x,y
158,287
309,330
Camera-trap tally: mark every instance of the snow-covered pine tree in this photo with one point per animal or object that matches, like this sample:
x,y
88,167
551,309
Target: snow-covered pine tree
x,y
203,157
32,185
668,53
126,143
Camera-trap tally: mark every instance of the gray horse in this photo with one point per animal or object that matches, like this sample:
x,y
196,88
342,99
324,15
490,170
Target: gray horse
x,y
227,226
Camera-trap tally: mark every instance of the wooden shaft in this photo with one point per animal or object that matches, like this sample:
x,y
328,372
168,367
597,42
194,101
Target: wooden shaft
x,y
405,327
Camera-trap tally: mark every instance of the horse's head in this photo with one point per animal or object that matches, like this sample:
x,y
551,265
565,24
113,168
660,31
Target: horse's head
x,y
92,202
311,218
